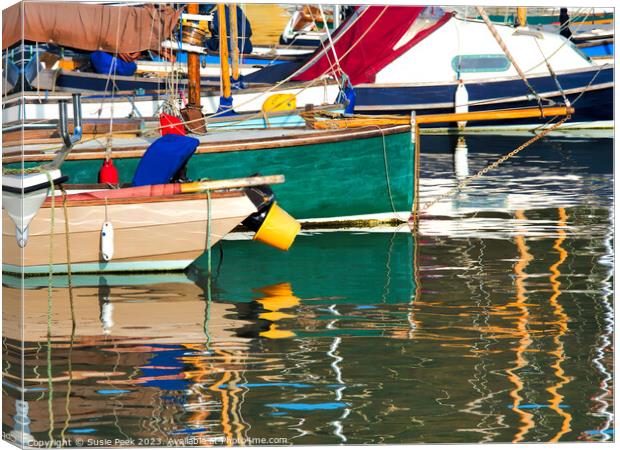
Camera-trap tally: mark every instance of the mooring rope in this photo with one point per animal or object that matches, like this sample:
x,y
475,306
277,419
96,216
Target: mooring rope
x,y
69,269
50,284
208,310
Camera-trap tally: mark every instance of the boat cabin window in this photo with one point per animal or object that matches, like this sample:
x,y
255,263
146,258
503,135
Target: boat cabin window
x,y
480,63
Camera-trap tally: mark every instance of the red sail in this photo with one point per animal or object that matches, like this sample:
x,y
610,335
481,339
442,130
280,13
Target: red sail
x,y
372,38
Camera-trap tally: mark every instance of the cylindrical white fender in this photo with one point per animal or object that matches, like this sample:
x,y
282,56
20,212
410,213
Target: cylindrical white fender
x,y
461,102
107,321
461,165
107,241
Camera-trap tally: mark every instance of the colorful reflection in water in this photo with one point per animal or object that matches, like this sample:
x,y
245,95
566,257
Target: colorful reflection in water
x,y
493,324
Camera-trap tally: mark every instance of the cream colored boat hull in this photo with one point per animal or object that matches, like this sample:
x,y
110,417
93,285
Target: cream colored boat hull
x,y
157,235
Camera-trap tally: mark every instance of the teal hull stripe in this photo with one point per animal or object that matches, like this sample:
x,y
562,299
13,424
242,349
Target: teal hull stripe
x,y
34,281
133,266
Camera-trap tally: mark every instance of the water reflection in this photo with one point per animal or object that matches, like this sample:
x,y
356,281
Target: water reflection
x,y
493,324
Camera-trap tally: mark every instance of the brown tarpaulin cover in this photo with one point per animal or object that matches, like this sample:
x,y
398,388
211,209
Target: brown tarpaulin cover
x,y
115,29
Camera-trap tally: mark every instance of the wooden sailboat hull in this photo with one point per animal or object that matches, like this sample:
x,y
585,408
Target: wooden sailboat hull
x,y
331,175
150,234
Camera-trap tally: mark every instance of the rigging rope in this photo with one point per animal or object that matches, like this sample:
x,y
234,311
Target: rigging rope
x,y
329,37
553,74
325,50
502,44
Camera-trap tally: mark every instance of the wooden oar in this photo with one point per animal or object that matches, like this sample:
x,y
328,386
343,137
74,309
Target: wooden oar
x,y
233,183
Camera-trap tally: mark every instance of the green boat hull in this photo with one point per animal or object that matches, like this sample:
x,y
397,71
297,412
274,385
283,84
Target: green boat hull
x,y
361,176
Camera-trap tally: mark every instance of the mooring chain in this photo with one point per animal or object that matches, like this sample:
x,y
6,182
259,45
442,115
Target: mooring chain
x,y
491,166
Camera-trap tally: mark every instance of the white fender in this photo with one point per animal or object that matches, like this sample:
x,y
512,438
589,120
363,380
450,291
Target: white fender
x,y
461,100
107,241
461,165
107,321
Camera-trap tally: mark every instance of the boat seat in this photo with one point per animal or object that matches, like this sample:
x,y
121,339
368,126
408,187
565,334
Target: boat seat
x,y
164,159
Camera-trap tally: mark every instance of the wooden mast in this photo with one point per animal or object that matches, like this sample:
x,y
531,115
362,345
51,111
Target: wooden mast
x,y
521,16
221,11
193,68
234,42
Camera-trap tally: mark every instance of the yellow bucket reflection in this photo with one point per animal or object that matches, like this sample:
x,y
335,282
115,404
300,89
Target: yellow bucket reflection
x,y
277,296
279,228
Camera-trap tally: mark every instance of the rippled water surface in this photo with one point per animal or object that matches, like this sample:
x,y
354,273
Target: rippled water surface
x,y
492,324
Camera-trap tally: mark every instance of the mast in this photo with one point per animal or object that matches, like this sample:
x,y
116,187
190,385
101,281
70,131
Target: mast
x,y
193,68
335,18
225,68
234,42
521,16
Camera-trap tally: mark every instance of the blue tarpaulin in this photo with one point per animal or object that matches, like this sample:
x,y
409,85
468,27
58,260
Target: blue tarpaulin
x,y
107,64
164,158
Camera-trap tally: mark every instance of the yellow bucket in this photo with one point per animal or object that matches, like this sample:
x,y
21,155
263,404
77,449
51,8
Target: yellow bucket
x,y
279,228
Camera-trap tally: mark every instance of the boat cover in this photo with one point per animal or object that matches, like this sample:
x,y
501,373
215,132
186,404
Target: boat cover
x,y
164,158
115,29
372,38
105,63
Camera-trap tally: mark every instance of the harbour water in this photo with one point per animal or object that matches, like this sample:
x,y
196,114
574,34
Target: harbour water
x,y
492,324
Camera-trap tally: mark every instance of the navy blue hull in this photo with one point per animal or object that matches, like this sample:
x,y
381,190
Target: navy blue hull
x,y
589,91
102,84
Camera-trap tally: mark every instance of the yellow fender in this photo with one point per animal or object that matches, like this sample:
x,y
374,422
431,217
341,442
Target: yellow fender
x,y
279,102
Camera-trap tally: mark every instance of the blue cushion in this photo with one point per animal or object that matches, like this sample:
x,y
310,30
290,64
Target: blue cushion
x,y
163,159
105,63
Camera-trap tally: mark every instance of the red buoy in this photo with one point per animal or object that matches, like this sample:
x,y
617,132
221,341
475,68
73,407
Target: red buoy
x,y
108,172
171,125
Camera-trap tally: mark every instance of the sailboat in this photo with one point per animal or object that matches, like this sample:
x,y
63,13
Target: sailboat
x,y
155,224
401,59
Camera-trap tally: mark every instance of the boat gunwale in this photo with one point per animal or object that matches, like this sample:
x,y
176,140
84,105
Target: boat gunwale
x,y
263,144
214,195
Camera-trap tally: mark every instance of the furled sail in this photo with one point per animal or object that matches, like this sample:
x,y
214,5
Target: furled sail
x,y
116,29
372,38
